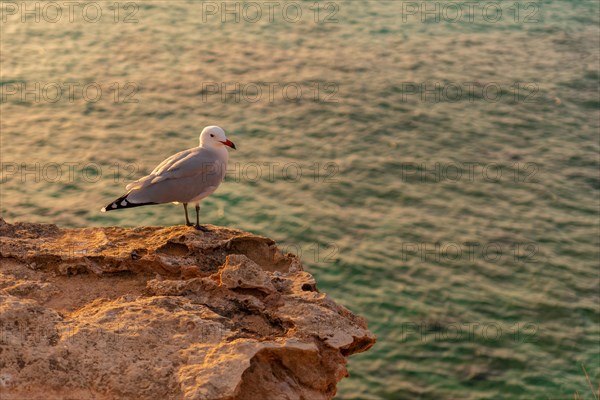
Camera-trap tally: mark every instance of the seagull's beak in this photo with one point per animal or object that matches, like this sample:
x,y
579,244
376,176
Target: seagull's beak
x,y
229,143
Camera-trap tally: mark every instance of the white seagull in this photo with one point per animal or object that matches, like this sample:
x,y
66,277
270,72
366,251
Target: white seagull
x,y
186,177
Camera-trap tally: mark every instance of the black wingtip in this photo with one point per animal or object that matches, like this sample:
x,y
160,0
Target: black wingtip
x,y
122,202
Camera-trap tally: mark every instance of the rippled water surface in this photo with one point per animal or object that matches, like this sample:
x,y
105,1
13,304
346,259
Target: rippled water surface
x,y
439,178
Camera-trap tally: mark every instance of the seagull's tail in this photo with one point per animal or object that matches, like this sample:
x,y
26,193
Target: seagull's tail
x,y
123,202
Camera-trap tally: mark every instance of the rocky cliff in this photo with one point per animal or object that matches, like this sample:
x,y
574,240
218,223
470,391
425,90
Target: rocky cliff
x,y
165,313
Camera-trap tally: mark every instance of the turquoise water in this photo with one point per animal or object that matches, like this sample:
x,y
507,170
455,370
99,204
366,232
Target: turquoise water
x,y
439,178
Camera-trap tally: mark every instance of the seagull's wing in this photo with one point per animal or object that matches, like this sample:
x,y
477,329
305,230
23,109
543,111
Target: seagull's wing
x,y
164,164
198,162
180,178
181,164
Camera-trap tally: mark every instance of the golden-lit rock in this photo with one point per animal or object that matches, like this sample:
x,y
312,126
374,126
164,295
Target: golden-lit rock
x,y
165,313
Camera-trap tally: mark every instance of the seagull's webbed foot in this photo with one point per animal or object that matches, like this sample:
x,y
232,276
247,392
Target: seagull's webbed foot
x,y
189,224
201,228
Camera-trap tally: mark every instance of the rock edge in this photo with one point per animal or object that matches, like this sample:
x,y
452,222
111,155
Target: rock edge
x,y
165,312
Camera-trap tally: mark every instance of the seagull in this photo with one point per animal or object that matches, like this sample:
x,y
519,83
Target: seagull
x,y
186,177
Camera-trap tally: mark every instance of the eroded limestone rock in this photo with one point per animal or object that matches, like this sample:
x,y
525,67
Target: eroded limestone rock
x,y
169,313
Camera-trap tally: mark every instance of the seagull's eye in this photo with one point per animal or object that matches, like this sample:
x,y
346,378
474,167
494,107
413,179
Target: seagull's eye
x,y
211,135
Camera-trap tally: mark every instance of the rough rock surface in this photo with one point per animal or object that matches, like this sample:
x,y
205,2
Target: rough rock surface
x,y
165,313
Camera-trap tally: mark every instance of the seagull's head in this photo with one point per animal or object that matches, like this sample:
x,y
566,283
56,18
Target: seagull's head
x,y
214,137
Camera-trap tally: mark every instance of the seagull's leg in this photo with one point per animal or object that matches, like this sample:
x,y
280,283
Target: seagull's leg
x,y
187,219
198,226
